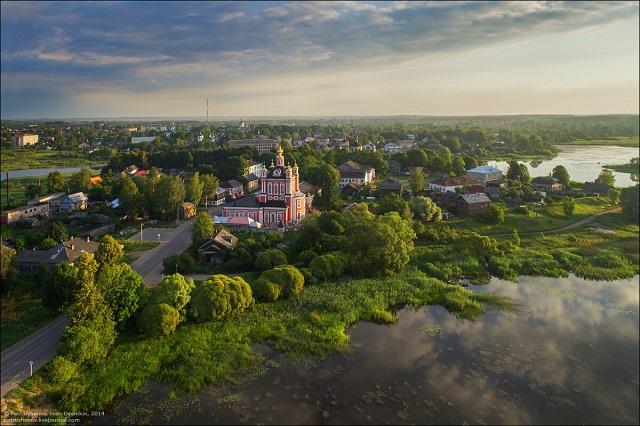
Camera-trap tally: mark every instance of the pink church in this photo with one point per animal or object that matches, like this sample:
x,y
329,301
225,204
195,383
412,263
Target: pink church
x,y
279,201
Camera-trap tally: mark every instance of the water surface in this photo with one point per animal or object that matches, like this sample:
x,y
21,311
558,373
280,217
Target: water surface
x,y
568,356
583,162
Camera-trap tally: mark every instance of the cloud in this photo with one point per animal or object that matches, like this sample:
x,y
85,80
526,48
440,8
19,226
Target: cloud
x,y
212,43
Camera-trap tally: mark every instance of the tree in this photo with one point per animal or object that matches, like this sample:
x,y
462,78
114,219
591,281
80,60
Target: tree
x,y
169,195
173,290
494,214
220,297
606,178
6,257
393,203
561,173
122,289
287,277
48,243
614,195
61,287
203,227
629,203
59,232
328,265
209,185
158,319
86,344
87,267
109,252
55,182
270,258
425,210
458,166
80,181
265,290
513,173
89,307
130,199
416,180
525,178
33,190
386,248
329,179
194,189
568,206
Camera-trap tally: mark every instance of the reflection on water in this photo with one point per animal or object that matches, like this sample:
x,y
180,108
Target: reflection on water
x,y
583,163
570,355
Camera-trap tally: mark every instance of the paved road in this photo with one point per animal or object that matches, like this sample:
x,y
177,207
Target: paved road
x,y
149,265
38,347
42,345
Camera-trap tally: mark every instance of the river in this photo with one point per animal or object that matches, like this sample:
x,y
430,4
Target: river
x,y
583,162
568,355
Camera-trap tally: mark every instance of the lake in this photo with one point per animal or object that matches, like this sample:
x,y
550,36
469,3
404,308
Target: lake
x,y
568,355
583,163
44,171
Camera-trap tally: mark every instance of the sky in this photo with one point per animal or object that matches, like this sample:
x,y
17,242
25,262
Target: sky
x,y
145,59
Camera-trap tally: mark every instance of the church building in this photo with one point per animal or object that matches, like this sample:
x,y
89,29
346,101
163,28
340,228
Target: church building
x,y
279,202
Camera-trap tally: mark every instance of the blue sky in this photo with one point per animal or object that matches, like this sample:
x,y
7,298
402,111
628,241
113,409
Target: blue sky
x,y
107,59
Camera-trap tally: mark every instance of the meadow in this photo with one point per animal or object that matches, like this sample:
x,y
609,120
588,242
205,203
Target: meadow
x,y
629,141
19,159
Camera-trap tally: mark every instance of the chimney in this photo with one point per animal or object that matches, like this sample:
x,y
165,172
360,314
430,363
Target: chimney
x,y
73,246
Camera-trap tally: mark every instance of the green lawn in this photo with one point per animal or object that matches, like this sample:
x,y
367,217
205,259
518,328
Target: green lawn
x,y
131,246
632,141
20,316
18,159
538,220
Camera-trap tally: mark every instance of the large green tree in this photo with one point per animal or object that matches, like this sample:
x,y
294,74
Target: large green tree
x,y
194,189
606,178
425,210
110,251
158,319
130,198
122,289
174,290
81,181
329,179
61,286
202,227
169,195
220,297
209,185
416,180
458,166
629,203
561,173
55,182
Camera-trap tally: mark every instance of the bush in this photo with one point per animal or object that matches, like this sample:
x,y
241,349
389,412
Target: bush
x,y
605,259
173,290
86,344
62,370
307,256
328,265
270,258
493,215
521,210
180,264
220,297
158,320
288,277
265,290
309,279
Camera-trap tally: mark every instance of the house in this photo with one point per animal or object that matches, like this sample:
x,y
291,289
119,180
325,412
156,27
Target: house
x,y
395,168
391,148
356,173
475,189
28,261
451,184
340,144
595,188
237,222
234,188
472,204
369,146
350,189
261,144
131,170
255,168
407,144
69,203
45,198
187,211
12,216
485,174
252,182
546,183
390,186
216,248
21,141
298,143
142,139
96,180
279,202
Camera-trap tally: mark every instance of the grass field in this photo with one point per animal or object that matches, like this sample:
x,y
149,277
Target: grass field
x,y
18,159
17,187
539,220
21,315
628,141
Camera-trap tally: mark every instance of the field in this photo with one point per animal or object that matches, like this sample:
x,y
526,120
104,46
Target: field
x,y
21,316
628,141
542,219
19,159
17,186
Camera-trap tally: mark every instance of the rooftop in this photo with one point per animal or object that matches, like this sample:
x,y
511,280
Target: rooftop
x,y
484,169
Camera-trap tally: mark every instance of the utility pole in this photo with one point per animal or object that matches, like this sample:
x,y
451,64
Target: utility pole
x,y
140,231
207,110
30,368
177,215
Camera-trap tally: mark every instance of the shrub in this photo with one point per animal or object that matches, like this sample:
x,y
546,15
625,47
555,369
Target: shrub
x,y
328,265
180,264
220,297
493,215
309,279
158,320
173,290
521,210
288,277
265,290
62,370
565,258
270,258
605,259
307,256
86,344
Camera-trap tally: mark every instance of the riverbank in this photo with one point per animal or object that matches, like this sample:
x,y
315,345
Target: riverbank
x,y
632,167
626,141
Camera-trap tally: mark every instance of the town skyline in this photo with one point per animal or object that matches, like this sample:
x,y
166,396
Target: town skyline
x,y
327,59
